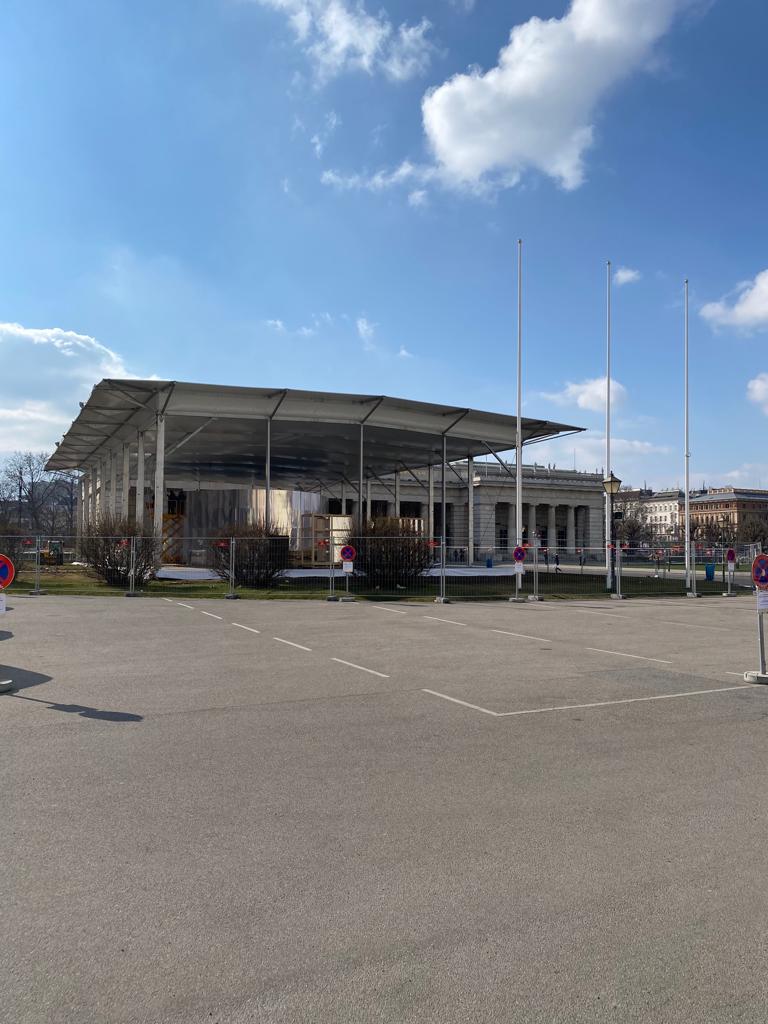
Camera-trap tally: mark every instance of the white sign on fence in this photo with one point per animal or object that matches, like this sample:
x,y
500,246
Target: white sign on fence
x,y
762,600
2,603
348,566
519,569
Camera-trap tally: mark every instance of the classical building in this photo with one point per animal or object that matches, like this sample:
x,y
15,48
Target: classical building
x,y
664,512
727,506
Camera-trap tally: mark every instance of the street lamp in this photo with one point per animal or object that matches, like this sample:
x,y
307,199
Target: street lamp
x,y
611,485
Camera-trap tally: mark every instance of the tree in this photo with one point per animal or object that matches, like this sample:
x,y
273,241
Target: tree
x,y
753,529
34,500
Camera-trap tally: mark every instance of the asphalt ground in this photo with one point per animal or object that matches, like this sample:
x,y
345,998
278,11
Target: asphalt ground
x,y
368,813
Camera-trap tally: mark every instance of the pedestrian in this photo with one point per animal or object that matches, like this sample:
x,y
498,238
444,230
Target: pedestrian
x,y
557,563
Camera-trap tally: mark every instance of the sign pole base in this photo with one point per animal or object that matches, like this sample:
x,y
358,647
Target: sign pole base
x,y
6,685
534,597
756,677
442,600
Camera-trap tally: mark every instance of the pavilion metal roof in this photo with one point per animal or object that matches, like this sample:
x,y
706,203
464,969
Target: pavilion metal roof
x,y
217,433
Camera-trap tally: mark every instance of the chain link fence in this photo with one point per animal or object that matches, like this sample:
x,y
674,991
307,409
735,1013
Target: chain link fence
x,y
371,566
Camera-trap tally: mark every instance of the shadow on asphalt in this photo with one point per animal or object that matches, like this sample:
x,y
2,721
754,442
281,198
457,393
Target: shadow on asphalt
x,y
23,679
5,634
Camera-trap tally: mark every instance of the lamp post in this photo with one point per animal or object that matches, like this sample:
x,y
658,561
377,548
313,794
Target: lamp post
x,y
611,486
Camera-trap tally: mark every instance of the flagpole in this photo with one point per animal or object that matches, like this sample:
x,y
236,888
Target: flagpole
x,y
608,523
687,445
519,429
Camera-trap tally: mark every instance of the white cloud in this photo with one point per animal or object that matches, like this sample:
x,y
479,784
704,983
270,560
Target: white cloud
x,y
535,109
367,331
340,35
275,325
418,197
625,275
757,391
404,353
322,137
589,394
632,459
748,310
380,181
48,370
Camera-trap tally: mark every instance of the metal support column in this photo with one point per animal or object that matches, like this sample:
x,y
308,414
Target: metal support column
x,y
361,470
470,511
159,477
397,493
268,479
126,494
113,483
140,482
443,519
431,502
552,526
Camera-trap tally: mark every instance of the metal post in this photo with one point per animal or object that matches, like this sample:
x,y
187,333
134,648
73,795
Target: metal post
x,y
331,575
126,481
231,595
113,483
397,493
535,569
159,477
687,448
470,510
617,571
519,424
132,570
608,501
761,642
431,502
139,510
36,589
268,479
443,520
361,468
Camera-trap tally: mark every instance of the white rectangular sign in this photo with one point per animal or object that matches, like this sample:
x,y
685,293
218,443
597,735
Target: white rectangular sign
x,y
762,600
2,603
519,569
348,566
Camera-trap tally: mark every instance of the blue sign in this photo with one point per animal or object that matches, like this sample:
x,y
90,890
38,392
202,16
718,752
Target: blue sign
x,y
519,554
760,571
347,553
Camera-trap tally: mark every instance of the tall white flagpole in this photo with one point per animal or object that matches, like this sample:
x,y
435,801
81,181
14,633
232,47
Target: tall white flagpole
x,y
608,524
519,430
687,446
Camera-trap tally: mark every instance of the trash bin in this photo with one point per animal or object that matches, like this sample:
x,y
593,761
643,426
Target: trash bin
x,y
709,570
489,563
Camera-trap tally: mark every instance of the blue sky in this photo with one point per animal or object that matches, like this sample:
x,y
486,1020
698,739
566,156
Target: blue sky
x,y
326,194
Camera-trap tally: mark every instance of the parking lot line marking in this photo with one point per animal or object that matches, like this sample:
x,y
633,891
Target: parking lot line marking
x,y
182,605
249,628
453,622
523,636
362,668
621,654
455,700
169,600
609,615
624,700
395,611
211,615
291,643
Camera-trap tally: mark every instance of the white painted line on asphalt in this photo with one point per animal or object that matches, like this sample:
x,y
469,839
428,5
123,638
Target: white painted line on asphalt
x,y
608,615
211,615
621,654
383,608
523,636
595,704
291,643
169,600
249,628
455,700
626,700
182,605
362,668
453,622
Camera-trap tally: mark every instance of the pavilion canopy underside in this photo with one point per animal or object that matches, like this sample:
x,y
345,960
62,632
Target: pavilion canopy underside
x,y
216,433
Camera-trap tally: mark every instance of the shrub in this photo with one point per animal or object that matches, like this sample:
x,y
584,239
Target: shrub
x,y
260,554
106,548
391,552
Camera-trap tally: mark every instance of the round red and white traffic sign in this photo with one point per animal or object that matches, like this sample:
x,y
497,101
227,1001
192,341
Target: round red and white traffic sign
x,y
519,554
348,553
760,572
7,572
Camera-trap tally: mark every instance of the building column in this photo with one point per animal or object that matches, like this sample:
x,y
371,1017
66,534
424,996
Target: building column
x,y
126,485
511,526
268,478
140,482
596,522
470,510
113,483
397,493
92,485
431,502
552,526
81,516
531,522
485,528
159,476
570,530
581,532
